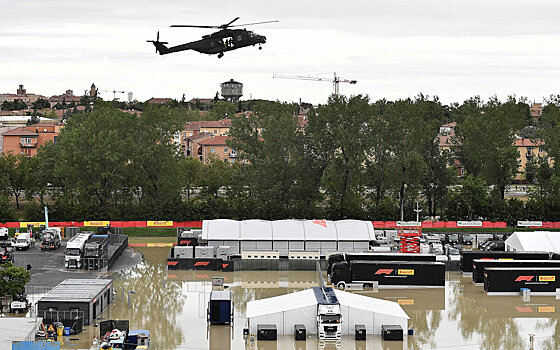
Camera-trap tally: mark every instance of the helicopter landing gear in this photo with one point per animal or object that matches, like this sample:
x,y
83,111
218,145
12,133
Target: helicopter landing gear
x,y
220,55
260,47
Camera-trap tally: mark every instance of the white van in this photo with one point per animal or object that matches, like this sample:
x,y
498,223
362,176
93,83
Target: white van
x,y
23,241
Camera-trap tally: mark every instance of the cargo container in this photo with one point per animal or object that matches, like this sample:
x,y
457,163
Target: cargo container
x,y
510,280
348,257
389,273
479,265
188,237
220,307
468,256
96,250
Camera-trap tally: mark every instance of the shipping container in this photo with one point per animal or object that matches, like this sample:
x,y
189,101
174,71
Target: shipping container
x,y
508,280
479,266
468,256
390,273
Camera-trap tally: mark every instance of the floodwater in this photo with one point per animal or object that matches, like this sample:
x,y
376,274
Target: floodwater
x,y
173,307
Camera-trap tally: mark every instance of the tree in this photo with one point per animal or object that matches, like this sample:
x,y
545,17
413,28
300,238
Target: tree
x,y
41,103
484,140
6,210
13,280
14,170
222,109
469,201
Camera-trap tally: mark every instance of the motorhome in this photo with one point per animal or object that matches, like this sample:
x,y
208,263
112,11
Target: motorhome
x,y
75,250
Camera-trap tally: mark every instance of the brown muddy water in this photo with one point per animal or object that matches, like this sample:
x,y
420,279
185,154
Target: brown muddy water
x,y
173,307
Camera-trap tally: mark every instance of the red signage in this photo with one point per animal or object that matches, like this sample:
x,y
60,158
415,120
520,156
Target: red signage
x,y
202,263
524,278
172,263
383,271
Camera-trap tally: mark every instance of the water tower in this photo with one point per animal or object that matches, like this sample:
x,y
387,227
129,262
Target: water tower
x,y
232,90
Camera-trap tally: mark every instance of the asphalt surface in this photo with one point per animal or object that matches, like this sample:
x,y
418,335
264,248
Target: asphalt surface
x,y
47,267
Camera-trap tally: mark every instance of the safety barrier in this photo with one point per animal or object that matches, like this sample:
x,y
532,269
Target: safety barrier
x,y
198,224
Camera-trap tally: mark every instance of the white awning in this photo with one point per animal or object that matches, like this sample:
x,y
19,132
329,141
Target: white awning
x,y
288,230
354,230
525,241
319,230
220,230
255,230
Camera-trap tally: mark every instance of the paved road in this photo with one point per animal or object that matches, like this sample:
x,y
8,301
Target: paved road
x,y
47,267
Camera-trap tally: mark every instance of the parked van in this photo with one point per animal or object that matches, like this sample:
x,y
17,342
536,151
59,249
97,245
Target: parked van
x,y
24,241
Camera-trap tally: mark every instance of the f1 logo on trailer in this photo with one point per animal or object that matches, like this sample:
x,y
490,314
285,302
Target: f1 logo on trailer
x,y
202,263
524,278
384,271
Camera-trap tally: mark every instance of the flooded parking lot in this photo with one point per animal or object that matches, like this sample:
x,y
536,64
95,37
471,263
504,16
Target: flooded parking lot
x,y
173,307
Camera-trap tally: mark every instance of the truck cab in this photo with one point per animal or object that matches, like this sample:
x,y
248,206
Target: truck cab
x,y
51,238
329,322
75,250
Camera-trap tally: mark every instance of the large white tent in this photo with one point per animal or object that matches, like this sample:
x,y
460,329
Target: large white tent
x,y
537,241
301,308
288,235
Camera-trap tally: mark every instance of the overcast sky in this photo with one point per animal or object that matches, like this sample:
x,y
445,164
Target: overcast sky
x,y
394,49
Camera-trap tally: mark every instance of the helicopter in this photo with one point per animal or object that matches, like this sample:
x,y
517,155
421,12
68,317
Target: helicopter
x,y
224,40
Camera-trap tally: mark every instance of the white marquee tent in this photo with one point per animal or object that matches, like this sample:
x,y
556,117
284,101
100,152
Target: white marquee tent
x,y
301,308
285,235
537,241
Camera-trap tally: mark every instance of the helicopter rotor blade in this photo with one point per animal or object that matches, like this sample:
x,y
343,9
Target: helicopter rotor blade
x,y
228,24
250,24
192,26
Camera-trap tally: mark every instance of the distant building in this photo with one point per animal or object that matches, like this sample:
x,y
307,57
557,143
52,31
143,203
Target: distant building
x,y
536,112
68,97
202,101
93,91
529,150
27,140
217,146
159,101
21,94
445,143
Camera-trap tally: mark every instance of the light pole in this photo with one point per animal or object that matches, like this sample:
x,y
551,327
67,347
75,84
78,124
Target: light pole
x,y
129,297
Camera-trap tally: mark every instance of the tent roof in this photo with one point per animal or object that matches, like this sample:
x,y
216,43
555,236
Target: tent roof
x,y
354,230
319,230
535,241
306,298
255,230
288,230
220,229
362,302
286,302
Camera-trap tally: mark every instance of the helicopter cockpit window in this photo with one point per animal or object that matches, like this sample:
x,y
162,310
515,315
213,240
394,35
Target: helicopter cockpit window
x,y
228,42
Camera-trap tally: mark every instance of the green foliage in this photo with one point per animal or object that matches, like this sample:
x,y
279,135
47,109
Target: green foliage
x,y
16,105
41,103
468,201
14,172
6,211
13,280
221,110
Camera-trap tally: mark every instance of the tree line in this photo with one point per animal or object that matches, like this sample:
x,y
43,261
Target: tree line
x,y
349,158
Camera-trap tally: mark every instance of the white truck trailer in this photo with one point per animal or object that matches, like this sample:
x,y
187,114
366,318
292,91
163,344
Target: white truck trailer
x,y
75,250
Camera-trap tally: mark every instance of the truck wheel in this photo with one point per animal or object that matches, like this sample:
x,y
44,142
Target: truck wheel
x,y
341,286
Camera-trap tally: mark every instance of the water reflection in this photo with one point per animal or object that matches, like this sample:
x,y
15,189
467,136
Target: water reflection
x,y
173,306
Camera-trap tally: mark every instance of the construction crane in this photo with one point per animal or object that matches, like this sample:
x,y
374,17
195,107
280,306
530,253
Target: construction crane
x,y
335,81
115,92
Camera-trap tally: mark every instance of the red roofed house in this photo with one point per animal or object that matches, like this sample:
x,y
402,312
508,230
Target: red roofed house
x,y
159,101
528,150
26,140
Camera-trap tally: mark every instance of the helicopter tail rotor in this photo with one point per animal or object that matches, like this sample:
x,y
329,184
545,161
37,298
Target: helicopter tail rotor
x,y
160,45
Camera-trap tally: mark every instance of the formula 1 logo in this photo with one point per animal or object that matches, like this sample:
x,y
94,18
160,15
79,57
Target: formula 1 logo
x,y
524,278
185,242
172,263
224,266
202,263
384,271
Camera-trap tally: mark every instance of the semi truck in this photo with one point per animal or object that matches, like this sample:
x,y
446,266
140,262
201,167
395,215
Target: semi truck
x,y
95,250
348,257
5,240
329,315
75,250
467,257
388,273
51,238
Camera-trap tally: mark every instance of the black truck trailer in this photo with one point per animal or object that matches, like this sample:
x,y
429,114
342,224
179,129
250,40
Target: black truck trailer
x,y
96,250
348,257
468,256
389,273
479,266
510,280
